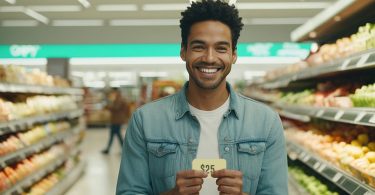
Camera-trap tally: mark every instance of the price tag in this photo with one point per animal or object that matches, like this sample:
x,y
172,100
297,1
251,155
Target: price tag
x,y
339,114
345,64
372,119
336,177
320,113
362,61
316,165
307,157
359,117
321,168
209,165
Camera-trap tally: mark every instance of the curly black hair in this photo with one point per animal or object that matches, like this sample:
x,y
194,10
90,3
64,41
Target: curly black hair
x,y
211,10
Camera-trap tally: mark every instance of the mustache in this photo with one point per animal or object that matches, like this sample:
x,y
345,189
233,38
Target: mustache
x,y
205,64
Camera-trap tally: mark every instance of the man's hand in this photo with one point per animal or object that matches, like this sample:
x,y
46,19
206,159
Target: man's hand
x,y
229,181
188,182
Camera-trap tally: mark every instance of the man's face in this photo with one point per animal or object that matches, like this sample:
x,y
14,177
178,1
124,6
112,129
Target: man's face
x,y
208,54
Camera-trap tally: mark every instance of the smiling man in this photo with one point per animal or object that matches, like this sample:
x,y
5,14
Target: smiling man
x,y
205,120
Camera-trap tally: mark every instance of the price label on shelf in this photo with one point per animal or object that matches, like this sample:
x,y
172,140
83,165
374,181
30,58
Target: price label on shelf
x,y
336,177
320,113
306,158
321,168
372,119
363,60
359,116
345,64
316,165
339,114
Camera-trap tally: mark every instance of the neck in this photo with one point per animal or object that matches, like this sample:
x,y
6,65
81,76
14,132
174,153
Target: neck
x,y
206,99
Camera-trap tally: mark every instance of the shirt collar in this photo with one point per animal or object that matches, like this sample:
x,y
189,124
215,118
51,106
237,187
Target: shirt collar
x,y
183,105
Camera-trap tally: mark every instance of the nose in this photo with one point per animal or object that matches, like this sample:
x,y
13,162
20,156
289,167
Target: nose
x,y
209,56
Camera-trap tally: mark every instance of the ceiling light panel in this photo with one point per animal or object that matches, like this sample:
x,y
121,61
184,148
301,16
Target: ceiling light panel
x,y
36,15
56,8
19,23
78,23
283,5
144,22
165,7
6,9
11,1
274,21
116,7
85,3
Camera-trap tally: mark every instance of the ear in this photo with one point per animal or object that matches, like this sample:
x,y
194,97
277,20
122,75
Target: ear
x,y
183,53
234,57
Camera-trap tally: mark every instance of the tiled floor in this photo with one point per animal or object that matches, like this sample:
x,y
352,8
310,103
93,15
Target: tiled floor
x,y
101,171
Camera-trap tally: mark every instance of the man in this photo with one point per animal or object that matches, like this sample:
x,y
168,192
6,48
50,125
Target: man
x,y
118,110
206,119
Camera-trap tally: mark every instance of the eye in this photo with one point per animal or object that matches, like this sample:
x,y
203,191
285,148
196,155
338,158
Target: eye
x,y
222,49
197,47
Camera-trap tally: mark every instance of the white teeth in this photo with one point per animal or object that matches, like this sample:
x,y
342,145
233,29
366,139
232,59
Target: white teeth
x,y
208,70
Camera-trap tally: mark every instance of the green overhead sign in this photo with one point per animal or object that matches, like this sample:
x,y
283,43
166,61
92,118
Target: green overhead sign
x,y
300,50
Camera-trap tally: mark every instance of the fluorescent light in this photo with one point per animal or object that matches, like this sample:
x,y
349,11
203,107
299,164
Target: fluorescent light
x,y
274,21
11,9
153,74
249,75
117,7
78,23
56,8
94,84
11,1
36,15
85,3
144,22
19,23
118,83
267,60
125,60
24,61
165,7
282,5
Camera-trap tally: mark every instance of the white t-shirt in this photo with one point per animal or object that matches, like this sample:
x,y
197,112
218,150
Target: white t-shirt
x,y
208,142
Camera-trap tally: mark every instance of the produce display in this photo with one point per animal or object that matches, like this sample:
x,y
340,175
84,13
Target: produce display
x,y
364,97
21,75
35,105
363,40
47,183
14,142
310,183
329,95
352,148
10,175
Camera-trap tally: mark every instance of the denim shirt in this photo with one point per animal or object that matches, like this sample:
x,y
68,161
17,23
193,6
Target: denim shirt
x,y
162,139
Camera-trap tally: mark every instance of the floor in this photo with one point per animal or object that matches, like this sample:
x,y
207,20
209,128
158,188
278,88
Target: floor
x,y
101,171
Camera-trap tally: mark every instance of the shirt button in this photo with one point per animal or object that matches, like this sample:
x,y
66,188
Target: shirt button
x,y
227,149
191,140
227,139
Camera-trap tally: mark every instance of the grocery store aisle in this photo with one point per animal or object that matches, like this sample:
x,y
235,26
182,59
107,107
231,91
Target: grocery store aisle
x,y
101,171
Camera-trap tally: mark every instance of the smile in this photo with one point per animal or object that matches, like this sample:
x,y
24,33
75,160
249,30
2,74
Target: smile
x,y
209,70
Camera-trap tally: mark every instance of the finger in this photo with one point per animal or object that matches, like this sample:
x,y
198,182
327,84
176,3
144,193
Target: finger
x,y
191,190
192,174
229,189
228,181
189,182
226,173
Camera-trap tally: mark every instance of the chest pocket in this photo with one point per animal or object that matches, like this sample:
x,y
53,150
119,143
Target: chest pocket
x,y
162,159
250,158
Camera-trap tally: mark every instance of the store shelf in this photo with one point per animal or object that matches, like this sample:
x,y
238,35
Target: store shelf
x,y
68,181
358,116
357,62
21,124
346,182
39,89
332,22
35,148
38,175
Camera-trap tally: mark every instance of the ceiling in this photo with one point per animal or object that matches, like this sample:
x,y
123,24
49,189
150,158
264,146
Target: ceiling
x,y
138,21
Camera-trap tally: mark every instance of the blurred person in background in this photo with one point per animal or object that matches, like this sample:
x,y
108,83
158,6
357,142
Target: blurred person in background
x,y
118,108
